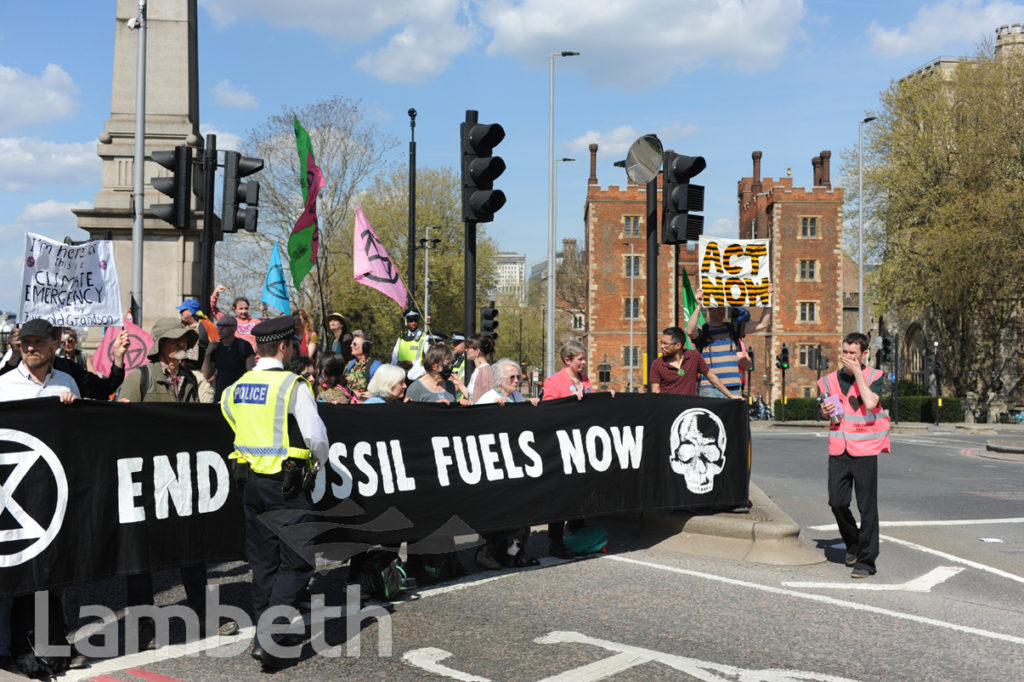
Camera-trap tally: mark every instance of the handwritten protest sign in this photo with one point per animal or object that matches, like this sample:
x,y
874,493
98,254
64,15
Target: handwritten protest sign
x,y
734,272
70,286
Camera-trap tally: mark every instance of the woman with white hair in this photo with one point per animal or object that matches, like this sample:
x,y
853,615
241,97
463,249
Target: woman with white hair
x,y
387,385
507,378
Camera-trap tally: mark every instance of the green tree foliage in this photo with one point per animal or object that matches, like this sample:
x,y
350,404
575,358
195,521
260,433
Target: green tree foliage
x,y
439,205
943,172
351,152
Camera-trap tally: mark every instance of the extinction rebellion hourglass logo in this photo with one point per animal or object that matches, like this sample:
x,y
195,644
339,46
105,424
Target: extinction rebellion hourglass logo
x,y
33,497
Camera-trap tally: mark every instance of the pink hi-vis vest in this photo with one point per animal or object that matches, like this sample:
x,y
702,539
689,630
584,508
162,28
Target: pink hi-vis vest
x,y
859,432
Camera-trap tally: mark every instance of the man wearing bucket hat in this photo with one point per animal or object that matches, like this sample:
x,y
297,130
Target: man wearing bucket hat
x,y
165,379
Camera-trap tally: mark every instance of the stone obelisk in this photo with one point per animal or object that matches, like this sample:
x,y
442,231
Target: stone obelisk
x,y
171,267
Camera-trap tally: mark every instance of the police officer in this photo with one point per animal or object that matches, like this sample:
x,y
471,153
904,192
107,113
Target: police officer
x,y
274,417
410,346
459,348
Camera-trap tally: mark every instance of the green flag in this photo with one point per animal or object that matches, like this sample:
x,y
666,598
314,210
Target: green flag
x,y
305,237
689,305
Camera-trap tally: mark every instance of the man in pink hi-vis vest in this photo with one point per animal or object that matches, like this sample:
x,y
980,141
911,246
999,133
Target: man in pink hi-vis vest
x,y
858,431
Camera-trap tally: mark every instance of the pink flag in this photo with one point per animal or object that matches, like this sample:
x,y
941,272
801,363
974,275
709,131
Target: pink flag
x,y
137,354
371,264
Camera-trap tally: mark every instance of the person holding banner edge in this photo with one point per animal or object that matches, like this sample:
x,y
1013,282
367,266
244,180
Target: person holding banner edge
x,y
678,368
89,385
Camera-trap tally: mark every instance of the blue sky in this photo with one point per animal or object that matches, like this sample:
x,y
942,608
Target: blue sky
x,y
719,79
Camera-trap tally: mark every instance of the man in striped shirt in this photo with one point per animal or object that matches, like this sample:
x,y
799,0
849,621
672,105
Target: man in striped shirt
x,y
720,341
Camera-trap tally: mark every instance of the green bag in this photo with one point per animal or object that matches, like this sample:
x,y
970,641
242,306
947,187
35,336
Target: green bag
x,y
587,540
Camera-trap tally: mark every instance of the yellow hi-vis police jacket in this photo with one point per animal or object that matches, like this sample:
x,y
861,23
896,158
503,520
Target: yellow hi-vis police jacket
x,y
256,407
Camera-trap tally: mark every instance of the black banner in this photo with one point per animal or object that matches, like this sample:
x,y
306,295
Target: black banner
x,y
96,489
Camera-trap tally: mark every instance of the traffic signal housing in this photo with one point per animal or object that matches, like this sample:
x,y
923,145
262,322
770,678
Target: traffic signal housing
x,y
886,349
237,193
782,359
178,186
480,201
489,320
679,198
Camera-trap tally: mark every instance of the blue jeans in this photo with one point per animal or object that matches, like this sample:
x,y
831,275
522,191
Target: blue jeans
x,y
709,391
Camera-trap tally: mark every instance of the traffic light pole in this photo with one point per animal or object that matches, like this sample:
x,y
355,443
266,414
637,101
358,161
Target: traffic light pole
x,y
469,319
207,238
412,204
896,383
652,274
140,163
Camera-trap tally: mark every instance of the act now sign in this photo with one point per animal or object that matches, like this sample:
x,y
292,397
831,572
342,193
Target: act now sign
x,y
734,272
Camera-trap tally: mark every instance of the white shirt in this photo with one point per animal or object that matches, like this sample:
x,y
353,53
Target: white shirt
x,y
492,397
303,407
19,384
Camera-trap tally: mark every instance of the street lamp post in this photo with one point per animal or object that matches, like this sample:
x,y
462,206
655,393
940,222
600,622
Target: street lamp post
x,y
427,244
860,221
549,351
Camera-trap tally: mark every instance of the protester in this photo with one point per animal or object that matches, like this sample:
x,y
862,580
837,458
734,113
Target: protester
x,y
228,358
239,309
478,348
566,382
166,377
341,338
678,368
410,346
333,383
436,385
360,369
304,367
89,385
166,380
387,385
194,318
35,377
308,339
858,432
720,342
279,473
507,379
69,349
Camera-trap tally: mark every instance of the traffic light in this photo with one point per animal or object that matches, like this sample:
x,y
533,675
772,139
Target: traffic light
x,y
178,186
782,359
886,349
480,201
750,354
237,192
679,197
489,320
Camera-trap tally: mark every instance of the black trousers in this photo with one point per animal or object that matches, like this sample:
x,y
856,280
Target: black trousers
x,y
281,566
139,588
846,474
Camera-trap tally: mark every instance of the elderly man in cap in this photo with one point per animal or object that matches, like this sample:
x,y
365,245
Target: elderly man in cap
x,y
34,377
89,385
411,345
278,457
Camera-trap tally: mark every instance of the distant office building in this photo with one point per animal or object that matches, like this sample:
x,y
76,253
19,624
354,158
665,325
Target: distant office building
x,y
511,276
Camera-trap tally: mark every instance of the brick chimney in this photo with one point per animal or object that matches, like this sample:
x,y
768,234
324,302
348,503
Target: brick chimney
x,y
592,180
816,165
826,180
755,186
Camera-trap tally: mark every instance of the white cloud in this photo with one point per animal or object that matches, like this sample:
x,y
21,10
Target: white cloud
x,y
618,140
422,35
620,42
237,97
724,227
51,213
32,100
225,140
27,162
952,22
418,52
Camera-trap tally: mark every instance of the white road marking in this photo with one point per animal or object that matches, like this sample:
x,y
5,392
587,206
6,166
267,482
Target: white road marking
x,y
427,658
825,600
628,656
944,522
922,583
952,557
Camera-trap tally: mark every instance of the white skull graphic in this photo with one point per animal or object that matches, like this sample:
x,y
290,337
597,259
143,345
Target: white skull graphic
x,y
698,448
